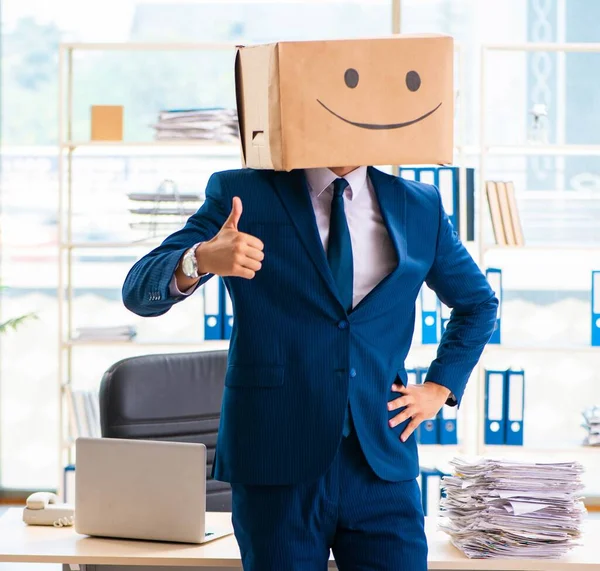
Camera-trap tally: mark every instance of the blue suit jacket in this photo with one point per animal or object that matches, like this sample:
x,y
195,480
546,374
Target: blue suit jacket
x,y
293,362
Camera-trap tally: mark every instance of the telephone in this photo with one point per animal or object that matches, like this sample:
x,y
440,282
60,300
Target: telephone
x,y
42,509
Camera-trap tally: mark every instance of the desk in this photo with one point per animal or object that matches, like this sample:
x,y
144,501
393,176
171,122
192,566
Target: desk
x,y
23,544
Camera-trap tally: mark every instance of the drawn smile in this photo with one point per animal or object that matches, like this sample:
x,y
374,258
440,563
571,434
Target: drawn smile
x,y
380,126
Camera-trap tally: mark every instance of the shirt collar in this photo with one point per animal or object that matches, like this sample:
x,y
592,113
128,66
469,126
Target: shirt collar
x,y
320,179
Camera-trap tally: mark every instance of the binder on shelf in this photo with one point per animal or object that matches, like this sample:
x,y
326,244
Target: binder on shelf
x,y
213,324
68,491
427,175
429,316
495,395
447,425
427,431
407,173
494,277
227,313
470,182
596,308
448,185
445,312
412,376
431,490
447,180
515,391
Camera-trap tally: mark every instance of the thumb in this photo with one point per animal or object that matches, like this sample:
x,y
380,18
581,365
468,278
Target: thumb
x,y
235,215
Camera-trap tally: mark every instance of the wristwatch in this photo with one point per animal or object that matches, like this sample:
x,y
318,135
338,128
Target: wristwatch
x,y
189,264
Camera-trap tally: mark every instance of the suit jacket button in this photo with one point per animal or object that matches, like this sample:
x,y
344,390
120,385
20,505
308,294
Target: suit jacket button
x,y
353,373
343,324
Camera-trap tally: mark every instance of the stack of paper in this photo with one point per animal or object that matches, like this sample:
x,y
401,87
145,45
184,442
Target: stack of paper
x,y
591,417
117,333
218,125
497,508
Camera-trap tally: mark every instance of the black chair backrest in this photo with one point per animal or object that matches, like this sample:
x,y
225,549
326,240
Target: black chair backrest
x,y
173,397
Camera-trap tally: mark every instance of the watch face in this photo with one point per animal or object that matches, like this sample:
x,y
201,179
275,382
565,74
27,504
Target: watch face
x,y
188,266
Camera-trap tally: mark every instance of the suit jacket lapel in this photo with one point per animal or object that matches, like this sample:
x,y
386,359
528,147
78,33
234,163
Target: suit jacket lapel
x,y
294,194
391,197
392,204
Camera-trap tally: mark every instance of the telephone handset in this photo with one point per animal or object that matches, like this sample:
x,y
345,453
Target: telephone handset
x,y
43,509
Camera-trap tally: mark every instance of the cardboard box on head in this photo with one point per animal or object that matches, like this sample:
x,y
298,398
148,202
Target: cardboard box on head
x,y
346,102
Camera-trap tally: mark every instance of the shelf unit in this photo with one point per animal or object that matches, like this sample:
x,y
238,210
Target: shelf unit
x,y
67,149
486,149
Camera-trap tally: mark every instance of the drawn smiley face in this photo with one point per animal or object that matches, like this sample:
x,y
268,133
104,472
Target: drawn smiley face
x,y
413,83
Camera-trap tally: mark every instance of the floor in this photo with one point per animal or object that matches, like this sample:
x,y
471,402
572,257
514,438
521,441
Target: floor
x,y
52,567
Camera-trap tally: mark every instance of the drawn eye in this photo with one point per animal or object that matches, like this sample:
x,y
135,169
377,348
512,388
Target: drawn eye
x,y
413,81
351,78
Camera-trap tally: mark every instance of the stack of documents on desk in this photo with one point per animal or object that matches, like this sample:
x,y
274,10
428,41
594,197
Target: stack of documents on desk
x,y
117,333
497,508
591,417
218,125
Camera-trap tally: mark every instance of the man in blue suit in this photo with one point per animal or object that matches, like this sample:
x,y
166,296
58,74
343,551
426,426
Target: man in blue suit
x,y
317,429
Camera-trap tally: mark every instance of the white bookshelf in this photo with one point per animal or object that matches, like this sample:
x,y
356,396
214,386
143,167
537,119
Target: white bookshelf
x,y
487,149
68,149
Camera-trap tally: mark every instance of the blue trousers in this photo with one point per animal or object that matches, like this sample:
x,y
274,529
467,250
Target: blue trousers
x,y
369,524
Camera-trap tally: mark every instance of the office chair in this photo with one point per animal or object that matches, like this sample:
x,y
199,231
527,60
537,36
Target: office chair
x,y
172,397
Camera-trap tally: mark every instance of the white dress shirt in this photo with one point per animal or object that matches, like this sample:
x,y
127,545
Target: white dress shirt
x,y
373,255
372,252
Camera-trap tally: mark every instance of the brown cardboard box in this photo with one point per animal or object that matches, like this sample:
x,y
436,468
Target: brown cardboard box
x,y
346,102
107,122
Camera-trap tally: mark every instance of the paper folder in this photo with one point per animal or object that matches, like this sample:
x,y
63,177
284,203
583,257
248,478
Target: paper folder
x,y
429,316
447,180
495,426
228,314
494,277
515,390
596,308
447,425
445,313
213,323
407,173
448,185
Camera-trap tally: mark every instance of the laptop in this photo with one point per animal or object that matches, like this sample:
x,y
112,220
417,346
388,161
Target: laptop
x,y
140,489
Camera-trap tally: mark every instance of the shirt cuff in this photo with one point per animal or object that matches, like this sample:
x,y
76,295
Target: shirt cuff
x,y
176,292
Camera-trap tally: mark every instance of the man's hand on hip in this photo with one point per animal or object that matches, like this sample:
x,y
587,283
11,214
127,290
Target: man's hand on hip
x,y
420,402
231,252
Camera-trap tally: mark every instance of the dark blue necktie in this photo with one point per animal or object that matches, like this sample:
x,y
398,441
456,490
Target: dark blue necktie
x,y
339,250
339,256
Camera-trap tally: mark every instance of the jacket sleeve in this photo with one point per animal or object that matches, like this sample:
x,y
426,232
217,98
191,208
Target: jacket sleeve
x,y
460,284
146,290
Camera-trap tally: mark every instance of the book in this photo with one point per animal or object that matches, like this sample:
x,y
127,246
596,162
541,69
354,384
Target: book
x,y
495,213
506,214
514,214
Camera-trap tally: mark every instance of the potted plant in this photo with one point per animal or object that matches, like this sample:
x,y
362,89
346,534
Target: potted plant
x,y
14,322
